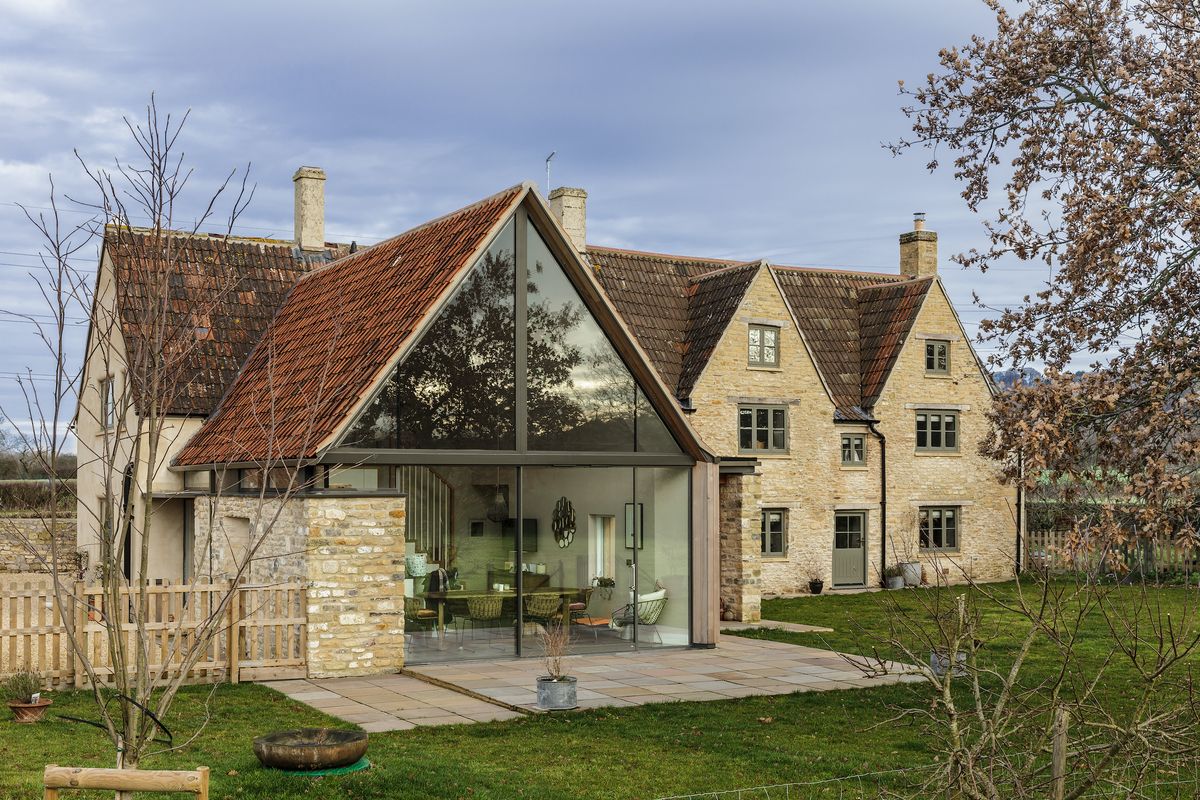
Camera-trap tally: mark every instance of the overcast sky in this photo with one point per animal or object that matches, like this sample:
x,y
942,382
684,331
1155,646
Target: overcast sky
x,y
737,130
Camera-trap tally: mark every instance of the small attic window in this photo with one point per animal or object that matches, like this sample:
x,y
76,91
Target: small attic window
x,y
763,346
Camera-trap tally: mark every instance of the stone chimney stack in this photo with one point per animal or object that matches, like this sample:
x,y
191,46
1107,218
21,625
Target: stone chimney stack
x,y
918,250
310,208
570,206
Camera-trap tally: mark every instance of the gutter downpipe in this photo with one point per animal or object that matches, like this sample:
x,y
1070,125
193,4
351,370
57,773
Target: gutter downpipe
x,y
882,496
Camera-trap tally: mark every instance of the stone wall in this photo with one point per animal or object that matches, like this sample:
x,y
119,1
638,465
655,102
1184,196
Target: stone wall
x,y
225,526
349,551
356,585
809,481
15,556
740,546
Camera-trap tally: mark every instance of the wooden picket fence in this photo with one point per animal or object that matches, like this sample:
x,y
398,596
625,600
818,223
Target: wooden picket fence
x,y
1049,549
266,625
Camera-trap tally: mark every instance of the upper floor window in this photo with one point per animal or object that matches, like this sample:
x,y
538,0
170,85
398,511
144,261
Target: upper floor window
x,y
937,430
764,346
937,356
108,404
854,449
774,531
939,527
762,428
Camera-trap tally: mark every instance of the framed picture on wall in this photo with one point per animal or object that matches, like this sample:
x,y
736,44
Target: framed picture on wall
x,y
478,527
634,519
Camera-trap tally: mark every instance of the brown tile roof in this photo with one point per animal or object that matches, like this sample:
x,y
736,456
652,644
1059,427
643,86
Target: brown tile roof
x,y
676,306
334,335
886,314
220,293
853,322
713,299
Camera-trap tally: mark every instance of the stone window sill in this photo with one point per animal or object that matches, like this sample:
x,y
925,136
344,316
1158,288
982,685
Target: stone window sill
x,y
938,454
854,467
774,559
760,368
939,376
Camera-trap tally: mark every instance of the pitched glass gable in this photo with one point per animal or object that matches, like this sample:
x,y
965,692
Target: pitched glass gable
x,y
461,386
457,388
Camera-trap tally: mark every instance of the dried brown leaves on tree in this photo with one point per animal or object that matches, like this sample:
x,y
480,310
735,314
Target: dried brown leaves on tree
x,y
1073,127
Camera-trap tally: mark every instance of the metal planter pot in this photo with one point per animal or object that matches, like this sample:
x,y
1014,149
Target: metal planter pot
x,y
912,572
310,748
939,662
556,695
894,583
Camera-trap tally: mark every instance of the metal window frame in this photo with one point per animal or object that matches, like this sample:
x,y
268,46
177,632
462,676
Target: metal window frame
x,y
862,438
762,327
787,434
923,511
928,448
936,343
783,530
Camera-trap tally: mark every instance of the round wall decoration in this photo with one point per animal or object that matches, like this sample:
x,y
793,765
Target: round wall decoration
x,y
564,522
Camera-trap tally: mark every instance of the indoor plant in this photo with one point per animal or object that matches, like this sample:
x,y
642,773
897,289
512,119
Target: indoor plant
x,y
24,693
893,577
555,690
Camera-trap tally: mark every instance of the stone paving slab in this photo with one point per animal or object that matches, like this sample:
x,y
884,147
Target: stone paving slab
x,y
391,702
736,668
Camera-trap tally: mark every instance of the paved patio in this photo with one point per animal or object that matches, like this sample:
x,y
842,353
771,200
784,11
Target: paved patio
x,y
497,689
736,668
391,702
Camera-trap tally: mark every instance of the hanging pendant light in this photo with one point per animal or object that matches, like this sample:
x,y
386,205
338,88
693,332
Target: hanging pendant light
x,y
498,510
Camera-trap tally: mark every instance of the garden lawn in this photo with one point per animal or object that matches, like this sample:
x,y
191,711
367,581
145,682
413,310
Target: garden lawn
x,y
860,622
638,752
642,752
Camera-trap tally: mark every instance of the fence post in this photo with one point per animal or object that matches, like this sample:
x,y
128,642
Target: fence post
x,y
233,639
1061,719
81,619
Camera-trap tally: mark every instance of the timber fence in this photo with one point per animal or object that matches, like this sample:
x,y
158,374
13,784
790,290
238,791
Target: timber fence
x,y
261,635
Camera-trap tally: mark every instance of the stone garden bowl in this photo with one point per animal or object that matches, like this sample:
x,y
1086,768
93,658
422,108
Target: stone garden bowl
x,y
307,749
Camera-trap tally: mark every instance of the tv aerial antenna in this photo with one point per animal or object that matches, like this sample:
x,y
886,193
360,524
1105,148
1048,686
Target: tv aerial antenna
x,y
549,158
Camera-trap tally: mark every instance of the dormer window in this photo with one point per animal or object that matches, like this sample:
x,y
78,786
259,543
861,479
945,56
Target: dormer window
x,y
937,357
764,346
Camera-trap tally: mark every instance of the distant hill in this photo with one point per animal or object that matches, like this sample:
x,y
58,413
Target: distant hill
x,y
1007,379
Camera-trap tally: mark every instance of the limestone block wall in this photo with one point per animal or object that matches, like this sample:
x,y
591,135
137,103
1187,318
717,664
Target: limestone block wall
x,y
226,526
356,585
17,532
987,535
740,547
809,481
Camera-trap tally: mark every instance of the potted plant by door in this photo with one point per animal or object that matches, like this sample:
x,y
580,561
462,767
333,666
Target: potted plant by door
x,y
893,577
23,690
816,580
555,690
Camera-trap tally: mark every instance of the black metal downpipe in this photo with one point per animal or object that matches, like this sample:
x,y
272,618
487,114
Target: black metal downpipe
x,y
882,497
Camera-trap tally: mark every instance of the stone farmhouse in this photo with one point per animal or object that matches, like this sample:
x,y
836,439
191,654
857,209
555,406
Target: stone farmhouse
x,y
484,423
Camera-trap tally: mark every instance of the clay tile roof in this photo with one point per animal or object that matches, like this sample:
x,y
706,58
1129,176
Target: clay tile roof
x,y
676,313
334,335
713,299
221,293
886,316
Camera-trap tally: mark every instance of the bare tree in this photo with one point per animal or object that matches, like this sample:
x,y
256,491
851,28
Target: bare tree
x,y
137,330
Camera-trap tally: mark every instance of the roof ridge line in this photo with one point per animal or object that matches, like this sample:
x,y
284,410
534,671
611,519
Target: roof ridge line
x,y
650,254
890,284
448,215
888,276
178,234
722,270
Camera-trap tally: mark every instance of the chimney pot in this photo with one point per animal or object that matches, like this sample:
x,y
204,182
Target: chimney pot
x,y
570,206
310,208
918,250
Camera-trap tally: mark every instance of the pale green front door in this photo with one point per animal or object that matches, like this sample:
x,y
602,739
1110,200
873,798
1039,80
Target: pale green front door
x,y
849,548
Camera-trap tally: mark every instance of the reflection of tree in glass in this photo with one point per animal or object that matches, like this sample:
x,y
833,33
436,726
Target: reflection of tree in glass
x,y
457,388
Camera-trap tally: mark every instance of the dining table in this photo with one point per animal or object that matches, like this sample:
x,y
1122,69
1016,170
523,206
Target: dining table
x,y
441,598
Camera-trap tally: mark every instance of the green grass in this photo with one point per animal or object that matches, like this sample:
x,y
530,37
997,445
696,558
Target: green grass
x,y
644,752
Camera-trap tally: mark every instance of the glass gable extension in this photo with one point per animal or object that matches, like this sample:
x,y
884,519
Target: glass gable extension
x,y
541,487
